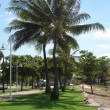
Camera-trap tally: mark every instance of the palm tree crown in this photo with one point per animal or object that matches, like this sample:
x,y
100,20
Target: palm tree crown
x,y
38,15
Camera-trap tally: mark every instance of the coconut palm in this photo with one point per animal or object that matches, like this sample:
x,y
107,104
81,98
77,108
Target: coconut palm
x,y
67,19
67,60
58,18
36,33
41,45
63,50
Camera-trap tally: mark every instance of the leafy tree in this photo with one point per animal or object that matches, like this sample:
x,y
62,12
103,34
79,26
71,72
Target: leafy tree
x,y
103,68
27,69
6,68
88,66
30,69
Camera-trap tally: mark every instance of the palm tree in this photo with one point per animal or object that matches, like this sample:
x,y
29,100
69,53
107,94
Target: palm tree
x,y
63,50
68,19
31,35
48,88
67,59
58,18
41,45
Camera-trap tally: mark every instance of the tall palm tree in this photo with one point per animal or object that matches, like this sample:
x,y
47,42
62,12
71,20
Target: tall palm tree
x,y
31,35
68,19
41,43
48,88
65,57
58,18
63,50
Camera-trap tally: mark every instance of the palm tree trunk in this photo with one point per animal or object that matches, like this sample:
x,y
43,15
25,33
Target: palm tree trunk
x,y
65,77
48,89
55,92
60,81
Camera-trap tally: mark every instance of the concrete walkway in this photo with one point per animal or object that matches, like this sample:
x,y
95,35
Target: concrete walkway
x,y
101,102
5,97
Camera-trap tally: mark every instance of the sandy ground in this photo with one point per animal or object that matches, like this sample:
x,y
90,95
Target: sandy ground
x,y
98,90
5,97
100,98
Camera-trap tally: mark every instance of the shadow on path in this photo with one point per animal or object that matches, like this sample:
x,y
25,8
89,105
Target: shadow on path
x,y
68,101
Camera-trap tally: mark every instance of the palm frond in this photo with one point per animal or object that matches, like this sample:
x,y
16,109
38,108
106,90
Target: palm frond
x,y
19,25
78,18
50,51
25,14
68,43
72,7
79,29
71,41
23,36
36,8
49,2
38,47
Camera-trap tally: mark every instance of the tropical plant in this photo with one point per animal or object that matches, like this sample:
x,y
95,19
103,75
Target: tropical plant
x,y
64,55
103,69
42,41
56,18
88,66
67,19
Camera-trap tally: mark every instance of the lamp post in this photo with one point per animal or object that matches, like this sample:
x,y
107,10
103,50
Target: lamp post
x,y
10,73
17,77
3,48
17,67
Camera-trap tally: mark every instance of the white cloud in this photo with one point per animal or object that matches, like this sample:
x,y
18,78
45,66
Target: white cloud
x,y
104,46
102,35
104,54
103,50
97,35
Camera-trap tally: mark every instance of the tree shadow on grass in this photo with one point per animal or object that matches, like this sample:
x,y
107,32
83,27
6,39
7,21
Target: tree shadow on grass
x,y
42,101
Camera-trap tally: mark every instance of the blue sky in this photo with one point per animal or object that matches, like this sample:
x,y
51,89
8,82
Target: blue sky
x,y
96,42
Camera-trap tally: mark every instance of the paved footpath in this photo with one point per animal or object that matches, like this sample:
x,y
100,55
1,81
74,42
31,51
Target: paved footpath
x,y
5,97
101,102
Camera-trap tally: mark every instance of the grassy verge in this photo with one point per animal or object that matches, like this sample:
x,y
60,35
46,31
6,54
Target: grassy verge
x,y
68,101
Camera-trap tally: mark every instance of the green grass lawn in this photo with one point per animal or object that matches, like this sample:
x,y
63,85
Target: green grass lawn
x,y
25,88
68,101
